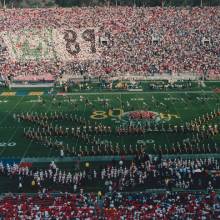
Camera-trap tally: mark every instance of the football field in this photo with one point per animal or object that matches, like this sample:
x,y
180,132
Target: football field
x,y
119,110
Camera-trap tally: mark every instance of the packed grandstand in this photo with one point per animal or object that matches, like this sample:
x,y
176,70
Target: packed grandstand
x,y
44,43
110,113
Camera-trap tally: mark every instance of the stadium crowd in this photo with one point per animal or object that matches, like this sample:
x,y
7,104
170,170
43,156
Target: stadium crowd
x,y
42,44
111,206
136,41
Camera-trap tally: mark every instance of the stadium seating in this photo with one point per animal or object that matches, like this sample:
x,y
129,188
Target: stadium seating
x,y
113,206
40,44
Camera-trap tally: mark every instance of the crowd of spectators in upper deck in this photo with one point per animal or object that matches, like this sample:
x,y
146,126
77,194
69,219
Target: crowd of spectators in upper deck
x,y
135,41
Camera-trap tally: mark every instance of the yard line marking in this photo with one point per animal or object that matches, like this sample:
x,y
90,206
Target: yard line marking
x,y
5,118
16,126
182,122
78,137
27,148
9,112
49,107
121,106
4,148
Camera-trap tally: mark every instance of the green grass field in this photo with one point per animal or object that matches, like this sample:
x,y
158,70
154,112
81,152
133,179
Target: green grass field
x,y
173,107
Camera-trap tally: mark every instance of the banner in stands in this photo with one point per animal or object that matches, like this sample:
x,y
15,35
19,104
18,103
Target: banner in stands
x,y
52,44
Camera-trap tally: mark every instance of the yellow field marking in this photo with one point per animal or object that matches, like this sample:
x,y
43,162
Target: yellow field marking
x,y
35,93
99,115
8,94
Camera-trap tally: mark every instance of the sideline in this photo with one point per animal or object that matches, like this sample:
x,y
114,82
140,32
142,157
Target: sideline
x,y
136,92
110,158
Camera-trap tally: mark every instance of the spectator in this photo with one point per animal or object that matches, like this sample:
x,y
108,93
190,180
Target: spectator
x,y
135,42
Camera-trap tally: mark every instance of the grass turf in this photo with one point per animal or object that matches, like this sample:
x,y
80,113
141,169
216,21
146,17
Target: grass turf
x,y
184,105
